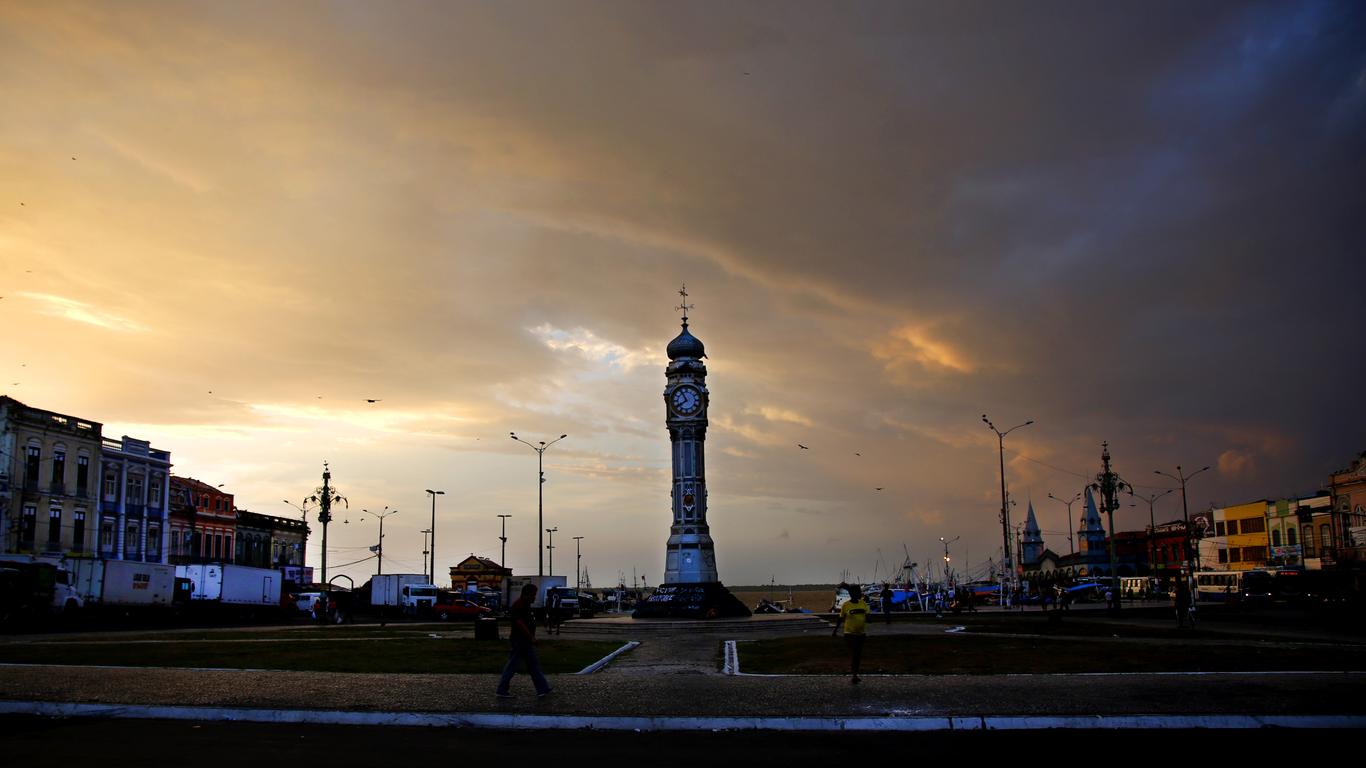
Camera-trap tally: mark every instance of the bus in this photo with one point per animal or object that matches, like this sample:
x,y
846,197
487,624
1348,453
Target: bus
x,y
1218,586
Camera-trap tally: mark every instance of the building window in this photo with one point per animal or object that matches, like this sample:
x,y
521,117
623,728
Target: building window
x,y
28,526
154,541
1235,554
1309,541
1275,537
82,474
1290,537
111,485
131,540
154,494
58,469
1325,536
54,528
31,454
1254,554
134,489
78,530
1219,529
1254,525
1223,555
107,536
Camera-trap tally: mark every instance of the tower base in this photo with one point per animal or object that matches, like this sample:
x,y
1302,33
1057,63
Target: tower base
x,y
706,600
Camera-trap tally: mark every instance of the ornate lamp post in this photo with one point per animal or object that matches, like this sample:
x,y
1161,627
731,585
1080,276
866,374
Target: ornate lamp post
x,y
1109,485
323,498
540,492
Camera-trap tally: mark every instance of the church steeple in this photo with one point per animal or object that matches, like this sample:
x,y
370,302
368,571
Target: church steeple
x,y
1032,545
1091,534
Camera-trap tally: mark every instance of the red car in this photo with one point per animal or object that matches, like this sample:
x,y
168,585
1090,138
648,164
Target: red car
x,y
451,609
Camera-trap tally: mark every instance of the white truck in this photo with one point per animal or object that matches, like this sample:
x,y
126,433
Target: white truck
x,y
123,583
66,599
543,583
410,592
230,584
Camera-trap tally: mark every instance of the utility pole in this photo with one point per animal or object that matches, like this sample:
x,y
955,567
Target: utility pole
x,y
507,575
578,559
434,494
1109,484
1005,511
551,548
379,548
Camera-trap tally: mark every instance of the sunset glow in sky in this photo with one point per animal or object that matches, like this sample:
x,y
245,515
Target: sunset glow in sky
x,y
225,226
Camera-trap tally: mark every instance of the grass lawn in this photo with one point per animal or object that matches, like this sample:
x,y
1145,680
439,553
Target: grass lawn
x,y
404,655
308,632
965,654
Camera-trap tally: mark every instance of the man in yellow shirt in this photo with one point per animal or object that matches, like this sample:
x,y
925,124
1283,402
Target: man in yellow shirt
x,y
854,617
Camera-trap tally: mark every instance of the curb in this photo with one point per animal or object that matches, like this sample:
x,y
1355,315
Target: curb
x,y
605,660
621,723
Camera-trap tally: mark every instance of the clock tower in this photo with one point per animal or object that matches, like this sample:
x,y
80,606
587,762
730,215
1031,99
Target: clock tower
x,y
691,589
690,557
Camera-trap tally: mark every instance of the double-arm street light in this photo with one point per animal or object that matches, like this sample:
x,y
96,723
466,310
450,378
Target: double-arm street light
x,y
1005,511
1068,502
948,572
379,549
1152,527
540,449
1181,477
434,494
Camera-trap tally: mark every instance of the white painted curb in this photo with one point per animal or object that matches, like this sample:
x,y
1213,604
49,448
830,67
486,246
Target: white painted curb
x,y
605,660
623,723
732,663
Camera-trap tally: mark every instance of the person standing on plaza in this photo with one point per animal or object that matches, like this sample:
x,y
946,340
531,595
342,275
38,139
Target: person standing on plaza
x,y
854,617
522,645
887,602
1183,601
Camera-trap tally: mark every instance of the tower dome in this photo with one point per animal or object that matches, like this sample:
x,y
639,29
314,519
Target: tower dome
x,y
686,345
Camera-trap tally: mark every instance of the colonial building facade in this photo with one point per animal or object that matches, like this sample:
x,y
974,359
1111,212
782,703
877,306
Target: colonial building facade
x,y
267,541
134,505
48,466
212,521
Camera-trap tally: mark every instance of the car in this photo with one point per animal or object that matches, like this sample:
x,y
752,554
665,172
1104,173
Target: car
x,y
458,608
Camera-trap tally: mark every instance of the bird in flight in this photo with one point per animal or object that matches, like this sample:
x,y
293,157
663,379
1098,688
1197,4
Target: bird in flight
x,y
877,489
856,453
804,448
368,400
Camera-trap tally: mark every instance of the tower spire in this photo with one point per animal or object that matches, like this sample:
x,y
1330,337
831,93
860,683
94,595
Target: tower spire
x,y
685,306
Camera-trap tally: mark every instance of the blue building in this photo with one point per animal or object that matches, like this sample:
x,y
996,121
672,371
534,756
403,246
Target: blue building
x,y
134,501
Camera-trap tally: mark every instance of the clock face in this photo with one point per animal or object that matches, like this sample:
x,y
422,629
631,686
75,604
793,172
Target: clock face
x,y
686,400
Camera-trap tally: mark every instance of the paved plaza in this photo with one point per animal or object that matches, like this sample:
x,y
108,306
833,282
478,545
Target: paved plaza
x,y
676,676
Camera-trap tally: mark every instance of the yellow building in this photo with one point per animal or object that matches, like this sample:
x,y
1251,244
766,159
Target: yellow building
x,y
1245,529
49,472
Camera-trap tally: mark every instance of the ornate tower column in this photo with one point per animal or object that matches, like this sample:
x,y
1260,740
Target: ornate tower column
x,y
692,588
690,556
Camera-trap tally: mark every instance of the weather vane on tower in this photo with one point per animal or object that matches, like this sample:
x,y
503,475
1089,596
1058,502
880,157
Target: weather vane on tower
x,y
685,306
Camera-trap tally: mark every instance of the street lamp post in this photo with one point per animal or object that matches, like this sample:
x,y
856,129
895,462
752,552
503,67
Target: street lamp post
x,y
426,551
434,494
540,491
1070,547
1181,477
1005,512
948,572
379,549
1152,528
578,558
551,548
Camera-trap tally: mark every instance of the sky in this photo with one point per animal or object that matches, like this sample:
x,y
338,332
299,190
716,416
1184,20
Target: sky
x,y
224,227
